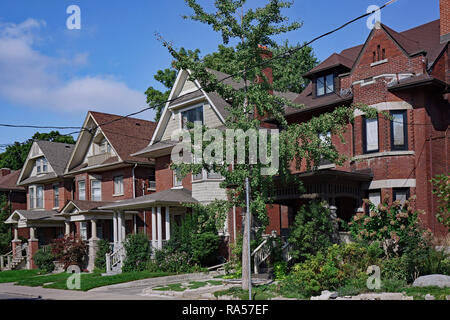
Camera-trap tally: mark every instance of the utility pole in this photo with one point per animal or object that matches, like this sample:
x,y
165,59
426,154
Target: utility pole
x,y
248,224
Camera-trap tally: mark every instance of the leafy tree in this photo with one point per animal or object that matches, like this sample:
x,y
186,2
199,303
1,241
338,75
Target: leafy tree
x,y
312,230
286,72
138,252
15,155
252,31
5,230
441,188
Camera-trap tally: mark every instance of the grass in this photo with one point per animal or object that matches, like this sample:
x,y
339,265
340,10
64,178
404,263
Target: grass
x,y
87,281
191,285
263,292
16,275
171,287
419,293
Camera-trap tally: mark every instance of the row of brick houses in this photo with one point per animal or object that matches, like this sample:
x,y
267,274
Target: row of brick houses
x,y
117,179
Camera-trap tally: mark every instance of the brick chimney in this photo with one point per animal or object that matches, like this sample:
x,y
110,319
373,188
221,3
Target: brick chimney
x,y
444,6
4,172
266,54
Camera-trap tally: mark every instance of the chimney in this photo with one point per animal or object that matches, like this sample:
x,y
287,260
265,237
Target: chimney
x,y
4,172
444,6
266,54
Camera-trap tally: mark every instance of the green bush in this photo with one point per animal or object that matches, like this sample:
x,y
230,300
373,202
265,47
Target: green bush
x,y
394,269
100,257
178,262
44,260
312,230
138,252
436,262
280,270
328,270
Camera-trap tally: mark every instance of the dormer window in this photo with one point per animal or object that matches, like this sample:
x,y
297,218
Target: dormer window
x,y
325,85
191,115
105,147
41,165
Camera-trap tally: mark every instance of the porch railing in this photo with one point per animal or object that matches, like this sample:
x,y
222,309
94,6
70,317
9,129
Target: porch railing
x,y
13,258
115,258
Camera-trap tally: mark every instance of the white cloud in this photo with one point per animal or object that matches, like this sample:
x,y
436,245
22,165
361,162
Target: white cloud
x,y
30,78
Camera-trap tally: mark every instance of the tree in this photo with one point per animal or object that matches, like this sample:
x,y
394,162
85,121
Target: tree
x,y
15,155
253,31
287,72
441,189
5,230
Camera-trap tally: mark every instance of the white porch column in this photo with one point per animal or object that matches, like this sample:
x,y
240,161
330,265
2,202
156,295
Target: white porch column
x,y
67,225
159,222
94,229
123,230
114,221
119,227
167,224
134,224
153,227
16,234
33,234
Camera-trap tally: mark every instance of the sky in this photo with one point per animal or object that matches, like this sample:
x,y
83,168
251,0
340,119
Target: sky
x,y
51,75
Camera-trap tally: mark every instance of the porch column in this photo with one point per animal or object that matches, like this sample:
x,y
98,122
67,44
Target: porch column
x,y
159,216
15,242
67,225
167,224
93,246
115,235
153,227
122,226
119,227
134,224
33,246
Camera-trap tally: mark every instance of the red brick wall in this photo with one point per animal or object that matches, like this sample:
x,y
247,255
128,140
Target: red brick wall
x,y
164,175
444,6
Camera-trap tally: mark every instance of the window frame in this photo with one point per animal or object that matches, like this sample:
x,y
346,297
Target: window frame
x,y
364,133
91,182
121,191
378,191
55,195
405,131
83,230
189,109
325,85
84,193
397,190
176,183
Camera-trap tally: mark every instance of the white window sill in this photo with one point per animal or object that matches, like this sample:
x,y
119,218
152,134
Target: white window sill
x,y
177,187
383,154
376,63
326,166
118,195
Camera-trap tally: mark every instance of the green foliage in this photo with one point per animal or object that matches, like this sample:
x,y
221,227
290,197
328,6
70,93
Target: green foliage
x,y
15,155
100,258
5,230
169,261
280,270
138,252
328,270
395,268
312,230
441,188
69,251
44,260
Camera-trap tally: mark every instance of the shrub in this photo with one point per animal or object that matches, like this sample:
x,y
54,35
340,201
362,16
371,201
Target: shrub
x,y
138,252
441,188
312,230
177,262
394,269
100,257
44,260
328,270
69,250
280,270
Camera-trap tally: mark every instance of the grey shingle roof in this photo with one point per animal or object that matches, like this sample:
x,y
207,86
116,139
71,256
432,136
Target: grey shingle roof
x,y
57,154
40,215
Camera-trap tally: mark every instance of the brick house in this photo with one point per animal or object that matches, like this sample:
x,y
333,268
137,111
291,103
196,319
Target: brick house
x,y
15,195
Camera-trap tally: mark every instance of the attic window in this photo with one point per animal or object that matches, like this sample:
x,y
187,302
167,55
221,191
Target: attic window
x,y
41,165
325,85
378,56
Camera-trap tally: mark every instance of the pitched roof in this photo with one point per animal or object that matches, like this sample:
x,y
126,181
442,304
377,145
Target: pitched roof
x,y
57,154
169,196
126,135
332,61
35,215
9,181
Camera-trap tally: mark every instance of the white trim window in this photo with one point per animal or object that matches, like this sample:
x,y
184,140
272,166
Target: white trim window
x,y
118,185
36,197
96,190
82,190
56,196
177,182
83,230
41,165
375,197
370,132
325,85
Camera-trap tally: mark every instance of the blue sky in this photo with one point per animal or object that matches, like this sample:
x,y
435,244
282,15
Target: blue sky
x,y
50,75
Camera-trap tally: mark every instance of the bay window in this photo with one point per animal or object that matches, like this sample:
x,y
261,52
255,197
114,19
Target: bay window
x,y
96,190
399,132
370,135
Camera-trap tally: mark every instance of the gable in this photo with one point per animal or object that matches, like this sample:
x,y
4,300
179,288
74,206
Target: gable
x,y
29,168
189,95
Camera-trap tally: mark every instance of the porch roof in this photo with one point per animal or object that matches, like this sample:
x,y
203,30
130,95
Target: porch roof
x,y
30,217
82,206
174,197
